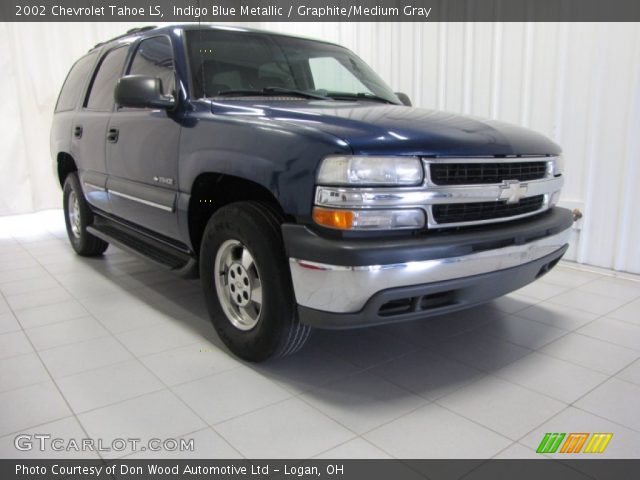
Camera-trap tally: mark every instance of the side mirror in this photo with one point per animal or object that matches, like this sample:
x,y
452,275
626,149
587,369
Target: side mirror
x,y
142,91
404,98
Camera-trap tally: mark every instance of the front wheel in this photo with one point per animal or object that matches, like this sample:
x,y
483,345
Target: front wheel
x,y
247,283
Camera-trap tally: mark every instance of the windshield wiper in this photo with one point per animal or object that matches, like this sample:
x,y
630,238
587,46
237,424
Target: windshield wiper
x,y
270,91
359,96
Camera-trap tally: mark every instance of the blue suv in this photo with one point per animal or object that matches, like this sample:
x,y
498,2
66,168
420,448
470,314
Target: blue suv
x,y
301,189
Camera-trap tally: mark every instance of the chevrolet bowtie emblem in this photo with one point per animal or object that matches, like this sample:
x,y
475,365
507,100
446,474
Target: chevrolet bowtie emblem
x,y
512,191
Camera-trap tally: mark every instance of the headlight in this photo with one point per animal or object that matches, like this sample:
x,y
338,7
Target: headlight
x,y
364,170
369,219
556,165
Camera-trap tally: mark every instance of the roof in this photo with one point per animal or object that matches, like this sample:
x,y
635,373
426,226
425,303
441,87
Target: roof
x,y
202,26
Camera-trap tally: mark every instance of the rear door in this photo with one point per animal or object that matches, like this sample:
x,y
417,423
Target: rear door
x,y
142,148
89,129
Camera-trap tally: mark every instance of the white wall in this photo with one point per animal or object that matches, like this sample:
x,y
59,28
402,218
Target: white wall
x,y
577,83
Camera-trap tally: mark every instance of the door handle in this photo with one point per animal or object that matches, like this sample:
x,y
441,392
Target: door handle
x,y
112,136
77,131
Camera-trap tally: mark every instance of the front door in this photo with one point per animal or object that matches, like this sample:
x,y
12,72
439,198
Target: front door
x,y
142,149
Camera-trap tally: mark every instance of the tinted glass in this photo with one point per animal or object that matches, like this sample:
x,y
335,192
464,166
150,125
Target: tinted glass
x,y
109,71
154,57
73,84
222,60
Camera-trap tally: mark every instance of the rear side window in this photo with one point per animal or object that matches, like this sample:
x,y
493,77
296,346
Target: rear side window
x,y
154,57
72,88
104,82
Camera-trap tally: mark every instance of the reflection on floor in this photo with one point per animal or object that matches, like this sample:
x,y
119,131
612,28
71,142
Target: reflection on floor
x,y
114,348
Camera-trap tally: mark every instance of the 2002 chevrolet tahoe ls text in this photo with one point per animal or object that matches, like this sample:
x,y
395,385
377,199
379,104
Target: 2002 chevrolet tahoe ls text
x,y
296,184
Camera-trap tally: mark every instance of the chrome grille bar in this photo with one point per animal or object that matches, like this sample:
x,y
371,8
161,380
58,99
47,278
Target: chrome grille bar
x,y
429,194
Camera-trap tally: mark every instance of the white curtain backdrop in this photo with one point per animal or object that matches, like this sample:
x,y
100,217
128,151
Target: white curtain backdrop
x,y
577,83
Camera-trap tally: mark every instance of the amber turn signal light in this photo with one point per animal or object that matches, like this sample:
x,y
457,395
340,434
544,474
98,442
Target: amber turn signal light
x,y
342,219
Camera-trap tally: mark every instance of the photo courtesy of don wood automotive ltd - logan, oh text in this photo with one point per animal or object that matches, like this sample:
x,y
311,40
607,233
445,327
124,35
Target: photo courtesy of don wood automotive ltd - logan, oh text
x,y
335,239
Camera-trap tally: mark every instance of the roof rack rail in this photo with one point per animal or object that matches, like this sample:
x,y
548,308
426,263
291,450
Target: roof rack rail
x,y
129,32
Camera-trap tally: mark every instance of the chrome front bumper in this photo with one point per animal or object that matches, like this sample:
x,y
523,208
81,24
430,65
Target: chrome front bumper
x,y
345,289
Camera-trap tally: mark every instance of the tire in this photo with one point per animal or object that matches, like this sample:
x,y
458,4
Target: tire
x,y
257,323
78,216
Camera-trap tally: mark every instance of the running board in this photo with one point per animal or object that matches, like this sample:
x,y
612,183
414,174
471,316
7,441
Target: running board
x,y
151,249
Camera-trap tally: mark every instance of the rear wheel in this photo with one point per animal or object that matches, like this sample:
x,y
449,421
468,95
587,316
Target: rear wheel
x,y
78,216
247,283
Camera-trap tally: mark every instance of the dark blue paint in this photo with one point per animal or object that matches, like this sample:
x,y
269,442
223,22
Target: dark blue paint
x,y
279,144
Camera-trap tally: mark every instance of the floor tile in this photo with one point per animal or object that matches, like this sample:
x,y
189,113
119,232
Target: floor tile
x,y
131,316
570,277
207,444
363,401
30,285
614,400
614,331
4,306
481,351
523,332
40,298
512,303
65,333
357,448
80,357
589,302
626,290
106,385
45,315
517,451
184,364
553,377
292,373
558,316
22,274
631,373
630,312
157,338
20,371
435,432
84,285
229,394
362,347
590,352
14,343
502,406
17,263
428,374
434,330
625,443
31,406
541,290
8,323
139,418
67,429
302,431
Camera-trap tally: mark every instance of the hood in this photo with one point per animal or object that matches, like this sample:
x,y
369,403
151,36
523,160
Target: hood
x,y
375,128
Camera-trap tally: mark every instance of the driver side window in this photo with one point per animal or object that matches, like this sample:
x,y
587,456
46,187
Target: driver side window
x,y
154,57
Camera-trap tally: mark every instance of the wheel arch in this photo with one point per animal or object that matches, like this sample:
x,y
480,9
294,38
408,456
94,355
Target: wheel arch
x,y
213,190
65,165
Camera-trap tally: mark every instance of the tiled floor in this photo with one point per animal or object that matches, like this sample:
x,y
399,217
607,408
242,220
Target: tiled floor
x,y
112,347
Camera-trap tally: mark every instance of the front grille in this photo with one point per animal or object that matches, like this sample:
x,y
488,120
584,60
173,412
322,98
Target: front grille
x,y
478,211
475,173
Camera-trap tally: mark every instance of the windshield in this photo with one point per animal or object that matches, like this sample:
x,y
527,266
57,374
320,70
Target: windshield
x,y
226,62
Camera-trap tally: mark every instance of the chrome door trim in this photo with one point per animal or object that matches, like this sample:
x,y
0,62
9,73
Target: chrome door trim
x,y
143,201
